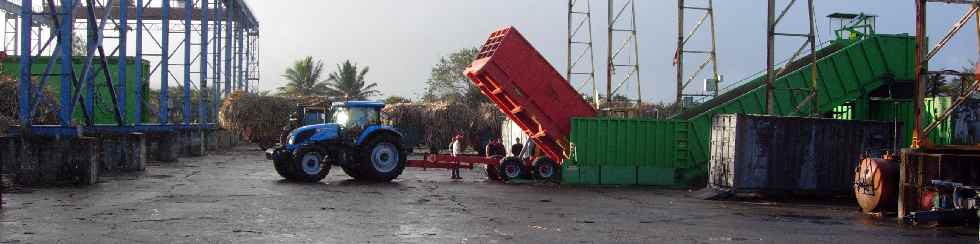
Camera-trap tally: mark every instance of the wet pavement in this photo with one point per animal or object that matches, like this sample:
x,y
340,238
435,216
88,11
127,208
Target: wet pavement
x,y
236,197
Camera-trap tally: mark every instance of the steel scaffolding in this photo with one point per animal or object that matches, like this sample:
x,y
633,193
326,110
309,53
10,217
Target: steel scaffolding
x,y
622,65
580,58
180,41
771,72
683,50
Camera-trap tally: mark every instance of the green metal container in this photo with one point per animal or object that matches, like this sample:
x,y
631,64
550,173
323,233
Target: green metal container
x,y
848,71
617,175
630,142
103,102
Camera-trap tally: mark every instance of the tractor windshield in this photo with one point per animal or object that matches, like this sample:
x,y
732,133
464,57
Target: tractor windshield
x,y
348,117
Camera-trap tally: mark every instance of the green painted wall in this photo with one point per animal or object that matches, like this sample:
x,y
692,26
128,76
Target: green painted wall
x,y
103,102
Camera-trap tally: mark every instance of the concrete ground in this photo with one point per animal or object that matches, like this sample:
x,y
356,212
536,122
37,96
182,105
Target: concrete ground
x,y
236,197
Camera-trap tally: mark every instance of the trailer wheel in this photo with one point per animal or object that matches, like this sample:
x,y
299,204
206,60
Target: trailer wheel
x,y
309,165
545,169
511,168
381,159
493,173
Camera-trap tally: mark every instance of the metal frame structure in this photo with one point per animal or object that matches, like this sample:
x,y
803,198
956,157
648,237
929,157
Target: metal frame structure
x,y
771,72
920,137
581,71
110,24
626,36
682,51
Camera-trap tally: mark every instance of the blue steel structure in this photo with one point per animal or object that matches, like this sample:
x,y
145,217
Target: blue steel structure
x,y
209,33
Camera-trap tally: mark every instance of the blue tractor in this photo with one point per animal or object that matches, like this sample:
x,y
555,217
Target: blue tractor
x,y
352,138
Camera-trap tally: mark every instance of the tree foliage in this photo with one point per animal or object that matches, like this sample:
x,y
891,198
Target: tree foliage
x,y
303,79
448,83
348,83
954,83
396,100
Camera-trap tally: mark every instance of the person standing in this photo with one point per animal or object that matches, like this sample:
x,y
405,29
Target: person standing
x,y
457,150
517,147
496,148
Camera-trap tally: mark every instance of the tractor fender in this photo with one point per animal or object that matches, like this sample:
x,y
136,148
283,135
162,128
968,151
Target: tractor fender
x,y
311,134
377,129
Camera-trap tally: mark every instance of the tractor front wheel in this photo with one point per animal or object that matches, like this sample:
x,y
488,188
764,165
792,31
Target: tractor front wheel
x,y
309,165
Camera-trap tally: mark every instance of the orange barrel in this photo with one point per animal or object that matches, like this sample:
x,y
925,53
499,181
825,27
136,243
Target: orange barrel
x,y
876,184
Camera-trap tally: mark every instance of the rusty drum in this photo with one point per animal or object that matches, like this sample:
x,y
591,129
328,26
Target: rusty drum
x,y
876,184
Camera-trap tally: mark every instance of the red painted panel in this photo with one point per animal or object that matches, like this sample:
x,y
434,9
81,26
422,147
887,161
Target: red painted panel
x,y
528,90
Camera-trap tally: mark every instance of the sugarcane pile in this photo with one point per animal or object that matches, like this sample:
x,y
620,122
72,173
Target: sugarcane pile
x,y
45,113
435,124
260,119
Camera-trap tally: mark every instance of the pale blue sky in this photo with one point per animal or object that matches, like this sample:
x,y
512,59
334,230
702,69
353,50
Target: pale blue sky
x,y
401,40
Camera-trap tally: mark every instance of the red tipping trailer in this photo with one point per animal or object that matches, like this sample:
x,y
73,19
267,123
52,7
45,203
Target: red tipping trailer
x,y
523,85
510,72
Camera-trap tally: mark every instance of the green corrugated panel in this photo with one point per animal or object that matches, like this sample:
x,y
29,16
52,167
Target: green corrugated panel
x,y
904,111
629,142
103,109
655,176
570,174
588,175
617,175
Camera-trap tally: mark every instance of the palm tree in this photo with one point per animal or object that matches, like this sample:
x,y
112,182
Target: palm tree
x,y
347,83
304,79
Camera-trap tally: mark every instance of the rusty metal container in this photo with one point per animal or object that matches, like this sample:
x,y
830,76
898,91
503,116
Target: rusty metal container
x,y
876,184
767,154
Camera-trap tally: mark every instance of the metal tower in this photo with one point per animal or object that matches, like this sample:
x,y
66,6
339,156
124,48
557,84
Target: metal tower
x,y
166,42
580,57
683,50
772,73
622,64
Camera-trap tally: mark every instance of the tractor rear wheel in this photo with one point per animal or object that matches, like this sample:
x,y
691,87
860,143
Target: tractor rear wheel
x,y
381,158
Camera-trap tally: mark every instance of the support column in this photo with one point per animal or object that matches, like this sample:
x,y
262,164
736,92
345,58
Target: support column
x,y
65,41
121,76
165,64
921,68
188,19
138,82
25,64
229,82
239,58
205,100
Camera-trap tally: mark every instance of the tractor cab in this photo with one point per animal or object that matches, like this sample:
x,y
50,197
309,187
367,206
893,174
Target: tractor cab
x,y
356,115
